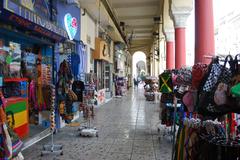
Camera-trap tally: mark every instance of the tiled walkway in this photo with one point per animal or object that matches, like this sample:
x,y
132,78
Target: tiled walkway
x,y
127,131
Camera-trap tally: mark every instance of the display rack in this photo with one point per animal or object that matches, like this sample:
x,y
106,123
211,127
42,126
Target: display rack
x,y
89,99
151,87
121,86
52,148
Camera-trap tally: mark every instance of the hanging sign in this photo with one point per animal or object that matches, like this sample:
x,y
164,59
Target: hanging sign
x,y
70,25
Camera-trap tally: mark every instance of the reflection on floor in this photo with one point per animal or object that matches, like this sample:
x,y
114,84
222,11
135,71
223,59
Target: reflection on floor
x,y
35,129
127,131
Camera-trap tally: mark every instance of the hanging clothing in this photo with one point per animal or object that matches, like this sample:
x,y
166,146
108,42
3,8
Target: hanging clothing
x,y
78,88
75,61
83,56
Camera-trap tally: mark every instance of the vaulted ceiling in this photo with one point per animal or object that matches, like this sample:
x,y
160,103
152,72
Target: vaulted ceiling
x,y
138,17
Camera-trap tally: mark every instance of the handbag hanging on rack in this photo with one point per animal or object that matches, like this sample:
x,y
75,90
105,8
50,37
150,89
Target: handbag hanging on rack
x,y
217,74
235,81
198,72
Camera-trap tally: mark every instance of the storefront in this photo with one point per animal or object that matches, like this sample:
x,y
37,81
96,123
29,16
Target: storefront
x,y
88,35
71,57
27,39
121,70
103,59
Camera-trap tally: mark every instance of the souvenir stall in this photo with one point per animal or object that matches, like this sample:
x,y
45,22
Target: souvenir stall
x,y
70,80
210,117
121,86
172,108
10,144
26,66
151,87
70,62
26,85
103,60
87,107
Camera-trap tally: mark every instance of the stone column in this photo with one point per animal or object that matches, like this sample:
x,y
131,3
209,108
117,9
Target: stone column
x,y
180,38
204,31
180,11
170,57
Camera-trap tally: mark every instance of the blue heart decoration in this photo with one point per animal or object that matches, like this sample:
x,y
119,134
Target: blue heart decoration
x,y
70,25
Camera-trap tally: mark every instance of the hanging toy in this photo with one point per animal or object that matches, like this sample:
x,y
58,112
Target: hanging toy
x,y
62,108
52,119
40,101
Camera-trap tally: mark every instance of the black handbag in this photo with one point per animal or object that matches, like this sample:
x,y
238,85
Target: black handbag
x,y
167,98
205,104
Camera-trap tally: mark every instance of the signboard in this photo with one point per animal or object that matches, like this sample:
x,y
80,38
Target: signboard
x,y
38,6
68,17
24,17
41,7
71,25
28,4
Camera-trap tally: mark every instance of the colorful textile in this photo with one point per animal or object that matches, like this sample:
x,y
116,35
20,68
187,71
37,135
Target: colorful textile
x,y
165,83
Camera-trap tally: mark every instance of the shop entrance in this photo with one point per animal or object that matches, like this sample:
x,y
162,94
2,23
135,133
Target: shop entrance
x,y
139,68
26,63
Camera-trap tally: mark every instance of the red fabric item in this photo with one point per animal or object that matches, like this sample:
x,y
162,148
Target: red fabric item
x,y
22,131
198,72
188,100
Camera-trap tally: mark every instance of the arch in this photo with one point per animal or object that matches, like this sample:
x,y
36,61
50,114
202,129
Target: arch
x,y
138,56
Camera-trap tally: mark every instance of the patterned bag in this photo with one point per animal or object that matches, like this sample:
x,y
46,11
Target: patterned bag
x,y
165,82
235,81
72,96
186,77
181,91
217,74
7,142
17,144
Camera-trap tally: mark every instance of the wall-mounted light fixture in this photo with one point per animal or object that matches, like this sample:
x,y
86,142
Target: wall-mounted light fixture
x,y
84,12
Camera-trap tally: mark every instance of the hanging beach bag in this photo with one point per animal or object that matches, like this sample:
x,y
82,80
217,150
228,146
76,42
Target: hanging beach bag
x,y
189,100
220,95
72,96
167,98
235,81
181,91
186,75
17,144
226,95
217,73
235,90
215,70
7,143
165,82
198,72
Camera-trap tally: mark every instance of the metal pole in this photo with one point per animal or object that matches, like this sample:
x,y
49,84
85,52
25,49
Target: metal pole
x,y
174,126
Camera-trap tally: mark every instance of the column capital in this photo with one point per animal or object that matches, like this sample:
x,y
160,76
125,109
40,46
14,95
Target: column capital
x,y
169,34
180,16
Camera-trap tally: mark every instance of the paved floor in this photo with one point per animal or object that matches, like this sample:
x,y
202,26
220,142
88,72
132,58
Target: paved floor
x,y
127,131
